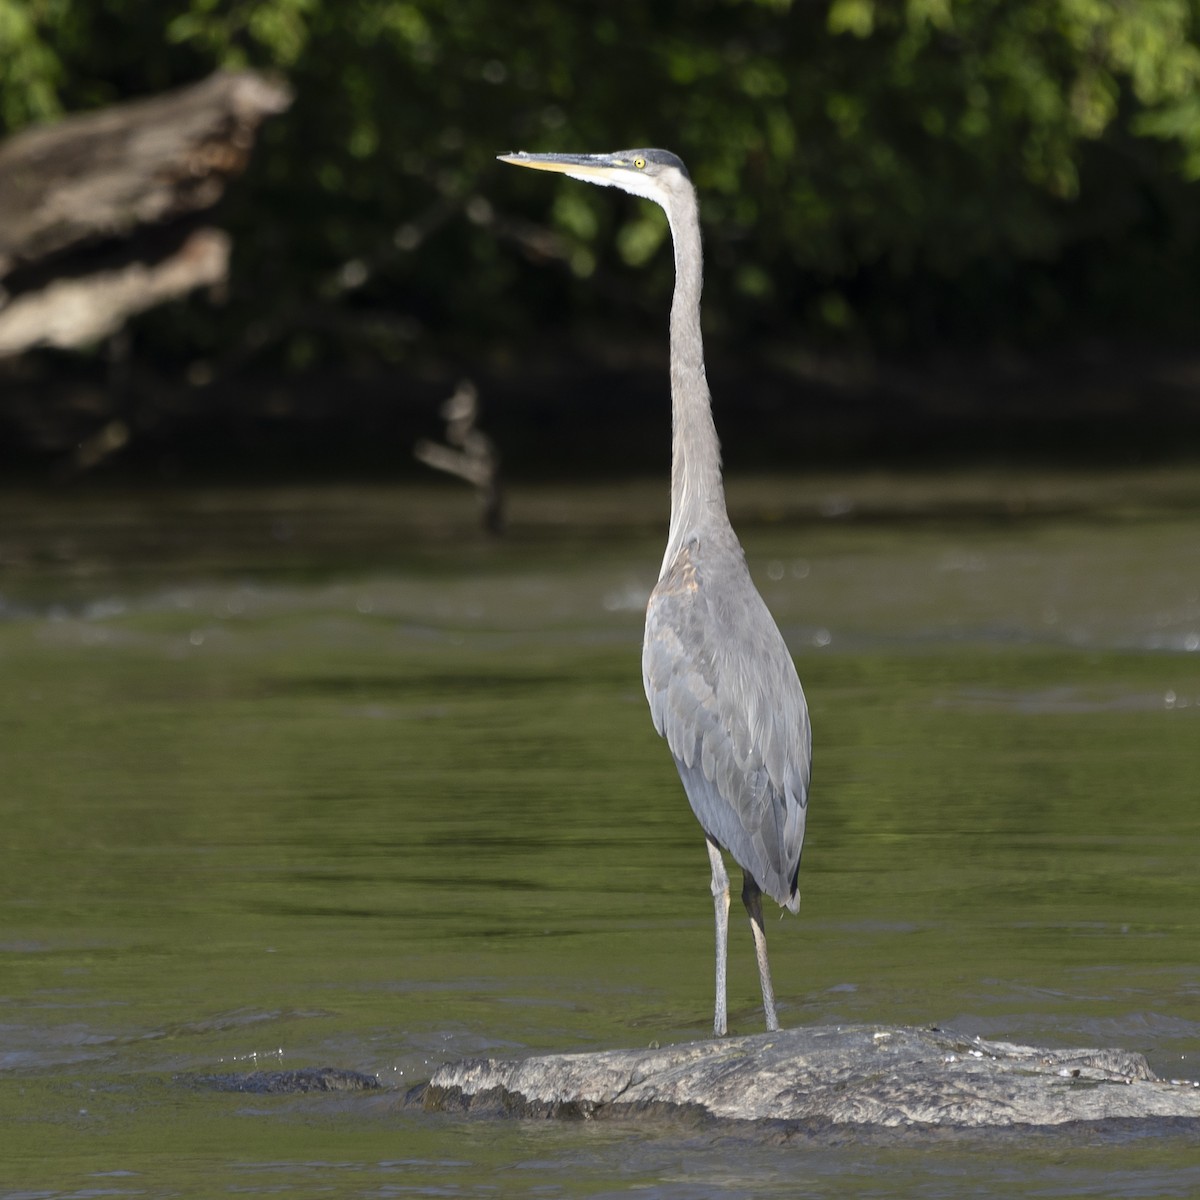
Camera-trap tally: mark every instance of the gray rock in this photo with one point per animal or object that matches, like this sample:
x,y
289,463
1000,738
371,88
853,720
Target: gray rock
x,y
854,1075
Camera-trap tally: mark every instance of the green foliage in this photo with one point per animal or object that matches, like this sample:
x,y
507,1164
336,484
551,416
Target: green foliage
x,y
31,69
894,171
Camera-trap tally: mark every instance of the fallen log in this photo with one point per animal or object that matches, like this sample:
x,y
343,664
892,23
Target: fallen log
x,y
99,211
102,174
75,310
853,1075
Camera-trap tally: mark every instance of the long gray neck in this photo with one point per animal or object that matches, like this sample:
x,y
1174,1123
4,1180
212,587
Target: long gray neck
x,y
697,497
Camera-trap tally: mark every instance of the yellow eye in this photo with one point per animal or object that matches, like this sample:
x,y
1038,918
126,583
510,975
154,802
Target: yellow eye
x,y
639,163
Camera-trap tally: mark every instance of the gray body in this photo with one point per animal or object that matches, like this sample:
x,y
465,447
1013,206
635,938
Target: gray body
x,y
722,687
724,693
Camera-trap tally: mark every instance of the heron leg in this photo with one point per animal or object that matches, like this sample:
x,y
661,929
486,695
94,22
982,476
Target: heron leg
x,y
752,899
720,894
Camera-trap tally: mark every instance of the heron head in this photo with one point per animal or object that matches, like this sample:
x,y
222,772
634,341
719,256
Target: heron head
x,y
657,175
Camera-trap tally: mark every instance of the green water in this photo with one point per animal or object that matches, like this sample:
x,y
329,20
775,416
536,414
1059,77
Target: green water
x,y
319,777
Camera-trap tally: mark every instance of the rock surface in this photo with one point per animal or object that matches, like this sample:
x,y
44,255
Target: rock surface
x,y
853,1075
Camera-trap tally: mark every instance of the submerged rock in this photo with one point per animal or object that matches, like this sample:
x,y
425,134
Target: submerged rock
x,y
854,1075
305,1079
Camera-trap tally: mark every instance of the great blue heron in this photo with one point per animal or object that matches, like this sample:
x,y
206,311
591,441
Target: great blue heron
x,y
722,687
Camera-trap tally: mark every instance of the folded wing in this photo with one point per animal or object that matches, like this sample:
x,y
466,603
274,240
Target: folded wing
x,y
724,692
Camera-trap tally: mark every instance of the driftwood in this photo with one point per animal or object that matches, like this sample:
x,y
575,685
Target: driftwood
x,y
471,454
99,212
860,1076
